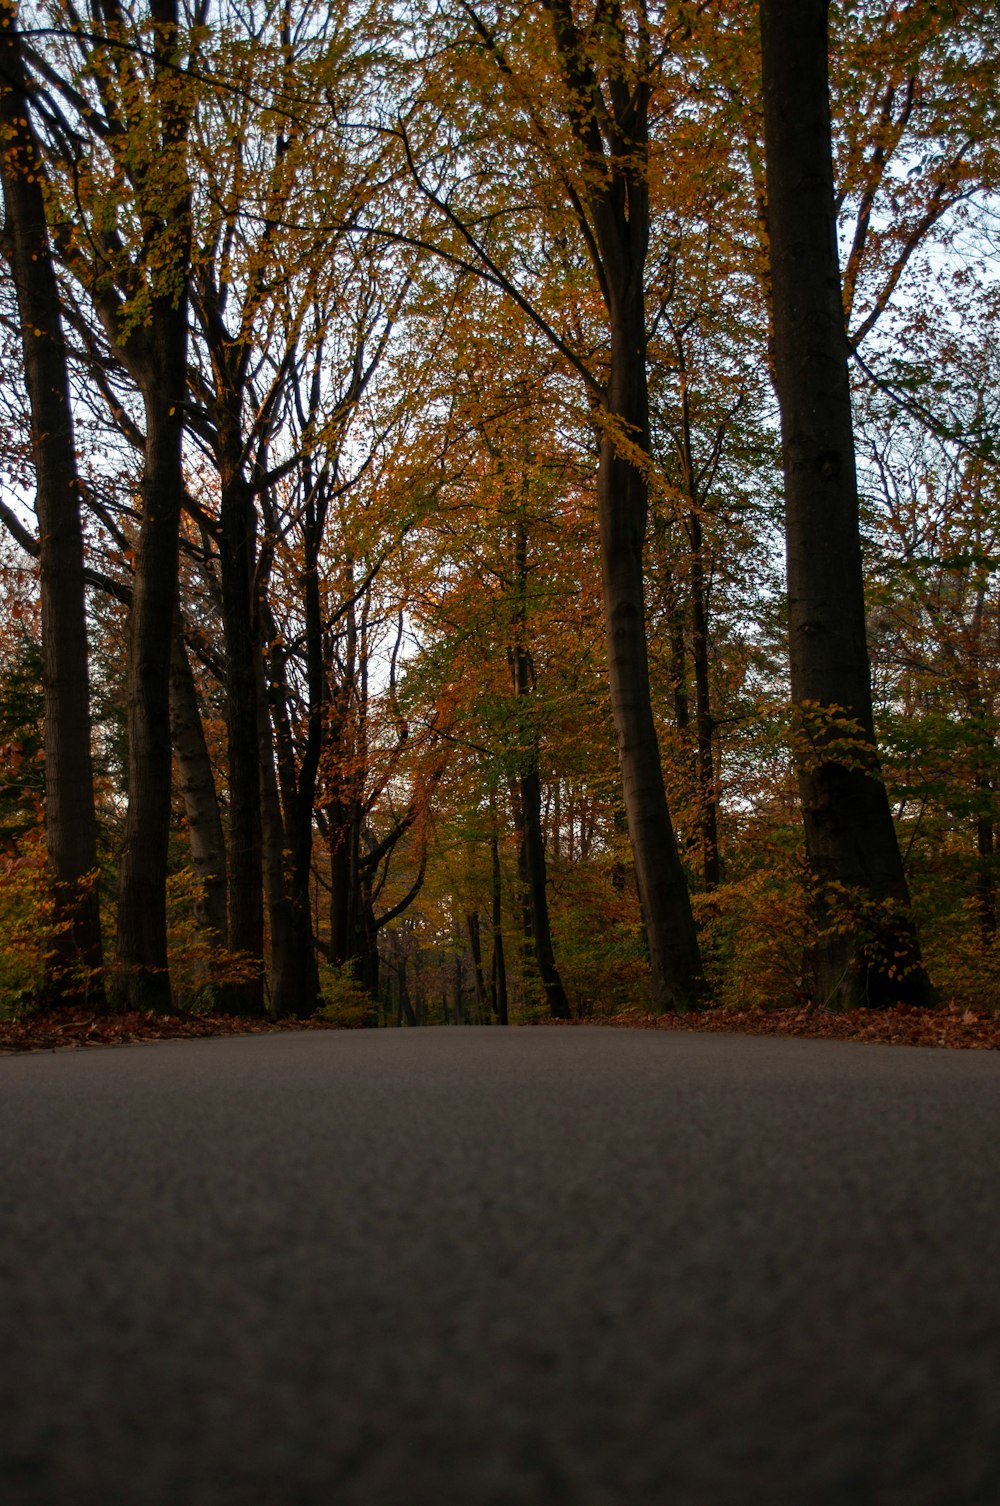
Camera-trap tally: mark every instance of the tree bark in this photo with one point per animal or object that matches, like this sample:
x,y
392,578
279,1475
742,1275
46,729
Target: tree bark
x,y
867,952
476,949
76,967
675,963
405,1010
457,973
246,877
534,871
296,986
708,804
342,842
986,897
154,351
142,979
499,963
534,875
615,164
196,783
272,835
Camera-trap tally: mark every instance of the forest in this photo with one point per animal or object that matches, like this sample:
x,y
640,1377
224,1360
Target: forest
x,y
499,506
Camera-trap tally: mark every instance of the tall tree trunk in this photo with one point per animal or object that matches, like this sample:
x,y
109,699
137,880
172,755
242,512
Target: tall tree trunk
x,y
708,805
155,353
367,972
457,973
476,948
70,821
196,783
142,980
534,874
343,884
678,651
534,871
986,898
499,963
296,986
405,1010
344,731
616,163
246,900
867,951
675,962
273,836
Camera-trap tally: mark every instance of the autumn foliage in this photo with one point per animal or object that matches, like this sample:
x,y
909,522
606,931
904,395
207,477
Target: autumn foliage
x,y
426,460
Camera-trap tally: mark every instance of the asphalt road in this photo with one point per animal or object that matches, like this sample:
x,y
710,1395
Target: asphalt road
x,y
575,1267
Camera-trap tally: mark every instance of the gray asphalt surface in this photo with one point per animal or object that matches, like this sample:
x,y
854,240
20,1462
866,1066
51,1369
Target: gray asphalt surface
x,y
576,1267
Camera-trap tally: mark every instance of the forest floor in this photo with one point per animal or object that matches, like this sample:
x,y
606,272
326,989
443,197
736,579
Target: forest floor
x,y
951,1026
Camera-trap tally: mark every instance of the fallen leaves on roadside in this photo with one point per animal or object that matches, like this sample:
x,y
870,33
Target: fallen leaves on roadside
x,y
75,1028
952,1026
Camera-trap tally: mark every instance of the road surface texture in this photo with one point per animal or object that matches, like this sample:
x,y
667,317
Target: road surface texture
x,y
578,1267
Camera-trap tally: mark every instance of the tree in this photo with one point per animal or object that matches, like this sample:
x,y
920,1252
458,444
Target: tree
x,y
929,487
70,822
583,139
867,951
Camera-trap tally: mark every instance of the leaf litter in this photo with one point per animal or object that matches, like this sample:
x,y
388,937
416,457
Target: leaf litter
x,y
952,1026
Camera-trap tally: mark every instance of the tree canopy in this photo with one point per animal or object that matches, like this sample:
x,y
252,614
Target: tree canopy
x,y
452,571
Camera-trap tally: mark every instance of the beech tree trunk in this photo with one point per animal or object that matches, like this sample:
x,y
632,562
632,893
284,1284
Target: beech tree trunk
x,y
708,804
196,783
296,983
272,834
342,841
623,503
986,898
867,953
534,876
246,876
615,160
76,968
499,962
405,1009
528,807
230,358
476,949
142,980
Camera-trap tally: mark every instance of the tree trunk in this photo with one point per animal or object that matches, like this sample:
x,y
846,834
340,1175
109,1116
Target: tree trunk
x,y
76,968
476,948
708,805
367,966
528,806
499,962
986,898
155,352
273,836
296,988
196,783
616,164
343,898
405,1007
142,980
678,651
246,898
867,952
675,962
459,1002
534,874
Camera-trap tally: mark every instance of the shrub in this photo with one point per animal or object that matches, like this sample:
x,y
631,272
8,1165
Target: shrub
x,y
345,1002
